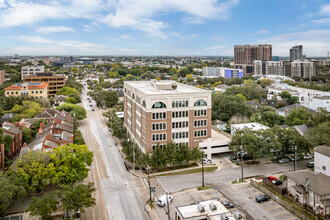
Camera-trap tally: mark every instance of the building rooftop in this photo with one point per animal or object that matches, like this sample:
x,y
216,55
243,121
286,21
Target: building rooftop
x,y
191,211
316,182
10,128
325,150
322,97
37,85
164,87
253,126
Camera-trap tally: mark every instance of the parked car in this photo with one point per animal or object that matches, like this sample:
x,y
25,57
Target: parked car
x,y
104,107
284,160
90,105
162,201
277,182
93,109
228,205
207,161
307,156
262,198
271,178
89,101
310,164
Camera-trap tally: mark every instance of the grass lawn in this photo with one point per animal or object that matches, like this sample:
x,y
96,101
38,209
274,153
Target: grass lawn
x,y
235,181
203,188
197,170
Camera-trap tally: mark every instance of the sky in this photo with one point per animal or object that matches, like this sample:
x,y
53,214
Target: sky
x,y
161,27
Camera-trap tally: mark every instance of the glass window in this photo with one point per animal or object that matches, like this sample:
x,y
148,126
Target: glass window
x,y
200,102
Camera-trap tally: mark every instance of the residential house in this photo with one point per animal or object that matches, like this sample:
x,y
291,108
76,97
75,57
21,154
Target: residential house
x,y
302,129
13,131
284,111
311,189
322,159
59,100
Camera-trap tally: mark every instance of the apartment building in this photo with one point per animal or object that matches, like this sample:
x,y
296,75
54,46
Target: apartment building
x,y
28,70
16,134
322,159
158,112
245,55
305,96
296,53
222,72
37,90
2,76
55,81
320,102
303,69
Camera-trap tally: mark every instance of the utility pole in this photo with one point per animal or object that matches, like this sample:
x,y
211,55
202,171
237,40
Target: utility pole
x,y
242,162
295,158
203,171
168,206
133,158
149,186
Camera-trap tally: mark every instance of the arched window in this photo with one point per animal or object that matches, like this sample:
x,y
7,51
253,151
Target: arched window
x,y
200,102
144,103
159,105
173,104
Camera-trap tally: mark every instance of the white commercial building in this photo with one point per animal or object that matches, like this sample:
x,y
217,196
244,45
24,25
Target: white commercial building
x,y
262,67
322,160
320,102
305,96
222,72
28,70
252,126
158,112
204,210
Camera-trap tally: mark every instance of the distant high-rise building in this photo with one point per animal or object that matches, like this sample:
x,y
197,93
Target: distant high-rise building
x,y
262,67
31,70
296,53
302,69
275,58
245,55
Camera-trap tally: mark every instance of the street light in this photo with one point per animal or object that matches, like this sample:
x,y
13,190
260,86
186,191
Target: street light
x,y
203,170
242,162
295,158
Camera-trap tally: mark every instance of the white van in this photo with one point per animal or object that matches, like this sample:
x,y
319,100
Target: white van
x,y
162,201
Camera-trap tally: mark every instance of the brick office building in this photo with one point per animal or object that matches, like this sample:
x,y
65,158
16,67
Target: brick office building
x,y
55,81
2,76
157,112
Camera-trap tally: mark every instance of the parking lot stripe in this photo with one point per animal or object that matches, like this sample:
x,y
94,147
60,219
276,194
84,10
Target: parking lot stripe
x,y
266,202
273,207
254,193
247,189
280,213
243,185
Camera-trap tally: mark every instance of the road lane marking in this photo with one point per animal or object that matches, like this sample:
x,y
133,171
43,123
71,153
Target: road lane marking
x,y
281,213
143,183
254,193
291,218
273,207
247,189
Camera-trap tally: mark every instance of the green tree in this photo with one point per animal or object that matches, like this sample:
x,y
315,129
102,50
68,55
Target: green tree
x,y
242,97
70,100
79,111
43,207
67,91
268,118
69,163
26,135
287,96
298,117
77,197
319,135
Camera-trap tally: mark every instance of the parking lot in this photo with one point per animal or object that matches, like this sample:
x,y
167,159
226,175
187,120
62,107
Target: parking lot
x,y
191,196
245,197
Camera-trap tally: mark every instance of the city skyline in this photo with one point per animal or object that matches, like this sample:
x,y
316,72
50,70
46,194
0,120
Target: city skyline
x,y
126,27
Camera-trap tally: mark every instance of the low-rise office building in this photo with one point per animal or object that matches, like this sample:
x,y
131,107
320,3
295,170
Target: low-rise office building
x,y
55,81
322,159
37,90
2,76
252,126
320,102
31,70
222,72
158,112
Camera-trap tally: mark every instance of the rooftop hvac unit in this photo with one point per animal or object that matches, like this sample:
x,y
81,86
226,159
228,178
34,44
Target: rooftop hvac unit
x,y
212,206
201,208
224,217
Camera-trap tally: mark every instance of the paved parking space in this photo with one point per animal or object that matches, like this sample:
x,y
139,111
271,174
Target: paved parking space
x,y
269,208
191,196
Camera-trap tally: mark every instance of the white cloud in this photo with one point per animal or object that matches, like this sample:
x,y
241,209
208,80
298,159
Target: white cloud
x,y
55,47
325,21
315,42
126,37
325,10
52,29
215,47
2,3
260,32
127,50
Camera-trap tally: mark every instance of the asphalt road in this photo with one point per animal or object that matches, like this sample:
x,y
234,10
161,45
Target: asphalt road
x,y
117,188
178,183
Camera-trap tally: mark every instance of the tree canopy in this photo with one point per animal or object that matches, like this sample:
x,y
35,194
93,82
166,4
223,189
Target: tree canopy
x,y
77,110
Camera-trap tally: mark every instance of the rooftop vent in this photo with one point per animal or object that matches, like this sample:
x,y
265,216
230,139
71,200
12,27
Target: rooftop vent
x,y
56,136
212,206
165,85
200,208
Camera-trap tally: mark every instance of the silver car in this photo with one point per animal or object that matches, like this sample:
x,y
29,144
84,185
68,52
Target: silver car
x,y
284,160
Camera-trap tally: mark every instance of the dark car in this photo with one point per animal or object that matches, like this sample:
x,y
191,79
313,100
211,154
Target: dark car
x,y
262,198
277,182
310,164
228,205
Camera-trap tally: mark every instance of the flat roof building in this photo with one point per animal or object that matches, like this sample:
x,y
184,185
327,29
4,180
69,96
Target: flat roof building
x,y
28,70
158,112
55,81
252,126
37,90
203,210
